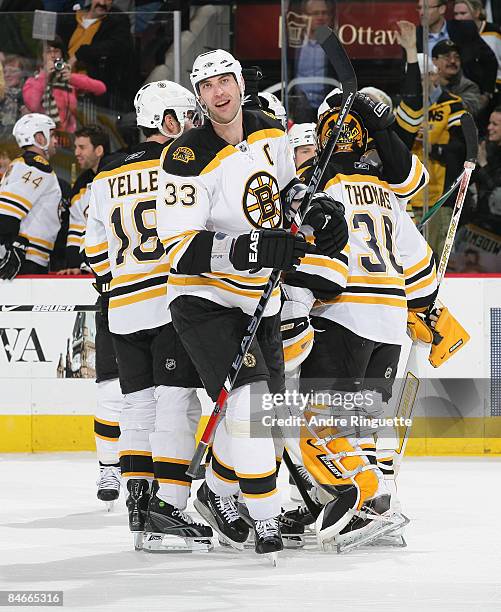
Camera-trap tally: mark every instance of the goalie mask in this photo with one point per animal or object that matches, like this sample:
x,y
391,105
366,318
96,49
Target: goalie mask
x,y
353,137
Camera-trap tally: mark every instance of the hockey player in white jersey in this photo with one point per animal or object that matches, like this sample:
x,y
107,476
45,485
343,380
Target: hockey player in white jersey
x,y
29,200
161,408
223,191
389,269
303,139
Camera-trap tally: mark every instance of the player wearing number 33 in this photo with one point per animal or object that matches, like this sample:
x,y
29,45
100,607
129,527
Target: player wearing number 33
x,y
361,313
223,192
161,408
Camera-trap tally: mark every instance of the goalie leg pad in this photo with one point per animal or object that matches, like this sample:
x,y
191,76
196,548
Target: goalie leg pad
x,y
449,337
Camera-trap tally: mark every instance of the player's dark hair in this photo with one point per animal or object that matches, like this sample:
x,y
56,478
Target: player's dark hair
x,y
147,132
96,135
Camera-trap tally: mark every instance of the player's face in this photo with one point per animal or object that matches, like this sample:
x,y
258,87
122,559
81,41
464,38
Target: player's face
x,y
494,128
85,153
448,64
221,95
462,12
303,153
53,142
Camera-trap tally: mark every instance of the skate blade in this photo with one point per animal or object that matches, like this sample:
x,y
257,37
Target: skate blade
x,y
390,540
138,537
207,515
165,543
273,558
371,534
109,505
293,541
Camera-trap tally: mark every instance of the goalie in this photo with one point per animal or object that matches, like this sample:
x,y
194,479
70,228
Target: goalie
x,y
360,319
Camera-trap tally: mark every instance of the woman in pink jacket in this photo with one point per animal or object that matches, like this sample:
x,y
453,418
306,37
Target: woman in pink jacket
x,y
54,90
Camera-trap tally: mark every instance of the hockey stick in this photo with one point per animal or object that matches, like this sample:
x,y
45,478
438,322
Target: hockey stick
x,y
338,58
411,384
50,308
298,481
438,204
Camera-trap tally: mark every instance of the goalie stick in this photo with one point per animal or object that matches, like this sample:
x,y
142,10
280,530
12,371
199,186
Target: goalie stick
x,y
338,58
410,385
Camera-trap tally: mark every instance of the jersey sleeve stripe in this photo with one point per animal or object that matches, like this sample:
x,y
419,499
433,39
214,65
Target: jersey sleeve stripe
x,y
420,265
97,248
424,283
101,269
38,241
13,211
77,196
417,178
17,198
31,250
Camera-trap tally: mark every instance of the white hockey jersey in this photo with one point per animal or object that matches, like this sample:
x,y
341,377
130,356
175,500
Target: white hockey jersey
x,y
390,264
207,184
30,196
121,240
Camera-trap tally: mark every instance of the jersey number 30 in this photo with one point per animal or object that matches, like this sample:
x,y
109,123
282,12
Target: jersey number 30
x,y
374,261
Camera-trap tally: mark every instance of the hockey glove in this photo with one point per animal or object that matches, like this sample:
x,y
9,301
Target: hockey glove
x,y
326,217
376,115
102,286
275,249
13,258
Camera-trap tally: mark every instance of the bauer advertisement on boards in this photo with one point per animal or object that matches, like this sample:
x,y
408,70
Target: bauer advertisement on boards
x,y
41,345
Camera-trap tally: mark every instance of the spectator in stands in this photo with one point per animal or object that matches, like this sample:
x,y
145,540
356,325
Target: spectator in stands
x,y
473,10
100,44
4,162
2,83
447,59
310,59
54,89
446,142
487,176
91,146
11,102
478,61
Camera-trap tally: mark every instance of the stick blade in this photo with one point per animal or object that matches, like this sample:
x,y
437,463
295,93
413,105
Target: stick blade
x,y
470,134
336,54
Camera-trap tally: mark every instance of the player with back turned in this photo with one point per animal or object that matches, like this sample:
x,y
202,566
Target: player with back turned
x,y
224,190
161,408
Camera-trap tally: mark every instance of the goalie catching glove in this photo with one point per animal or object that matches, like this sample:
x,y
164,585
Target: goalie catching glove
x,y
440,329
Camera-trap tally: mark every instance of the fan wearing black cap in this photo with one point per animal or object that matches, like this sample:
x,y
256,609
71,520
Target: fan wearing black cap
x,y
447,58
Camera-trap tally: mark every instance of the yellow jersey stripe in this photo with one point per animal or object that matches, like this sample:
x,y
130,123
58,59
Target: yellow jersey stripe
x,y
266,133
374,299
15,196
144,165
117,302
202,280
96,249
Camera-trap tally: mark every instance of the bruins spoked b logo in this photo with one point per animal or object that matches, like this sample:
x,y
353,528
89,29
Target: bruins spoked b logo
x,y
261,201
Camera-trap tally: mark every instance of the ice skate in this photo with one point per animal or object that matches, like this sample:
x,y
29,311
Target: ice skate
x,y
357,527
222,515
268,540
295,526
137,505
108,485
169,529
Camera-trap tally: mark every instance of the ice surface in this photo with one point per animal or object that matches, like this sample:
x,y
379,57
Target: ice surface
x,y
55,534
